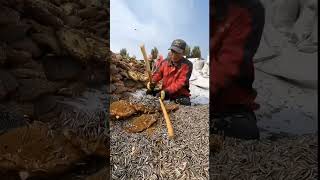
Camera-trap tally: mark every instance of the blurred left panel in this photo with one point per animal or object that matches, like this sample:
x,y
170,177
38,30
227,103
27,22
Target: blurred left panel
x,y
54,84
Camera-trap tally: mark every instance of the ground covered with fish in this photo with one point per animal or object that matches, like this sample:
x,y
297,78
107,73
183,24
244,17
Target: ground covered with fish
x,y
284,158
151,155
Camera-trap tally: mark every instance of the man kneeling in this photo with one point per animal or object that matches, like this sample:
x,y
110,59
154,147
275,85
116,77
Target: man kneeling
x,y
175,73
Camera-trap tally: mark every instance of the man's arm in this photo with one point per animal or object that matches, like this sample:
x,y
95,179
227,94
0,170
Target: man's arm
x,y
157,74
237,48
181,80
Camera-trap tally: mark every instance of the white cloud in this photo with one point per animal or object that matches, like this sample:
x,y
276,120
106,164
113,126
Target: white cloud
x,y
152,22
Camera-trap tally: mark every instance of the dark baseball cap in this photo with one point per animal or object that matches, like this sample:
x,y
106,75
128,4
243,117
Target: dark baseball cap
x,y
178,46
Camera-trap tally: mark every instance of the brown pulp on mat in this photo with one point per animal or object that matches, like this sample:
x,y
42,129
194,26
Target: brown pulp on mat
x,y
141,123
36,148
121,109
171,107
148,110
144,109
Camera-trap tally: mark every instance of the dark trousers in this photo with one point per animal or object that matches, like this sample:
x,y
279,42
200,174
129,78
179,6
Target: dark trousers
x,y
239,123
183,100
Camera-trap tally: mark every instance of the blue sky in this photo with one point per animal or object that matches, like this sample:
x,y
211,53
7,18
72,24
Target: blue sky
x,y
156,23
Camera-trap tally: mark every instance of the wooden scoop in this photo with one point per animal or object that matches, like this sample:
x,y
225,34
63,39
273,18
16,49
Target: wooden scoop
x,y
148,70
167,119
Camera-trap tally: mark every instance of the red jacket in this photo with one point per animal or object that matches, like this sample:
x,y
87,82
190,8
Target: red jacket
x,y
233,43
175,78
159,60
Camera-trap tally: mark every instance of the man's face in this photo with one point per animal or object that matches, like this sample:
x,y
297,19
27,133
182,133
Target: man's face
x,y
169,54
176,57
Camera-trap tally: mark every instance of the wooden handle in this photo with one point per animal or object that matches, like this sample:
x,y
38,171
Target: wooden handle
x,y
143,50
167,119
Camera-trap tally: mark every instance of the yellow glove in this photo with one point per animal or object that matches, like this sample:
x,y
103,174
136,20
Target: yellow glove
x,y
150,86
161,94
